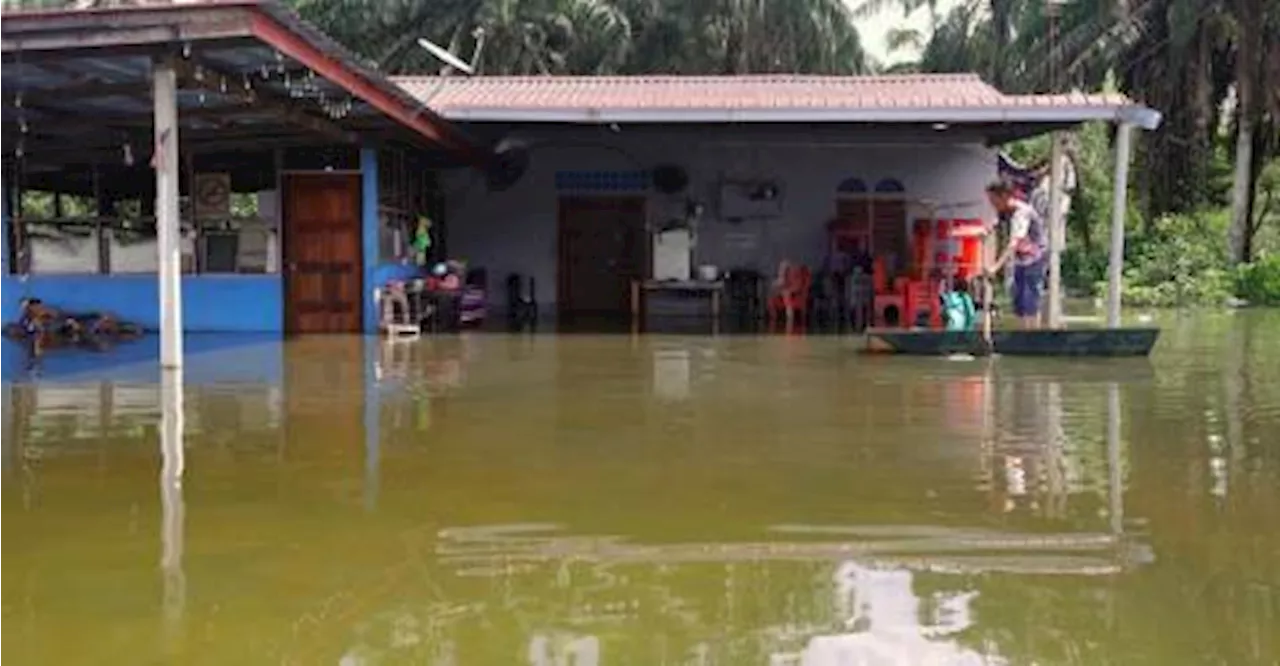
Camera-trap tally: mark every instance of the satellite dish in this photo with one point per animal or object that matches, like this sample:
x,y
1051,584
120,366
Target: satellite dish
x,y
442,54
670,179
507,164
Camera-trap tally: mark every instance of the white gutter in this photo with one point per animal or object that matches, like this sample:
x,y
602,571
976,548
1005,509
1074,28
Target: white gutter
x,y
1139,115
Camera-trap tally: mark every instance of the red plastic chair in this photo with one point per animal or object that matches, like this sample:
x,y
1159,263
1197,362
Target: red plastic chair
x,y
792,301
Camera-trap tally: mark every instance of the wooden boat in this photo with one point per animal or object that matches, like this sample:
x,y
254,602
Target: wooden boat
x,y
1110,342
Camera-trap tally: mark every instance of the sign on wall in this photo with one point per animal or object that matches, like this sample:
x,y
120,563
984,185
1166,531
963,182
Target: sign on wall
x,y
212,195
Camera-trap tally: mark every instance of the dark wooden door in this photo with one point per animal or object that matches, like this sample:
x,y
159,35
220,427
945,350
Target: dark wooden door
x,y
322,257
602,249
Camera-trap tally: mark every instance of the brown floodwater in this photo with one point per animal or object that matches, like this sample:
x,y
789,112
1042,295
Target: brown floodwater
x,y
580,500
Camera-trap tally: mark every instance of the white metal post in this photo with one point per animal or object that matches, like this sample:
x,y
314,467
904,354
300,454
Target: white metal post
x,y
168,225
1057,229
1119,205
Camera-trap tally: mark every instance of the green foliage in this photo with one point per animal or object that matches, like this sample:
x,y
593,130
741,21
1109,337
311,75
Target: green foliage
x,y
1258,283
1182,262
599,36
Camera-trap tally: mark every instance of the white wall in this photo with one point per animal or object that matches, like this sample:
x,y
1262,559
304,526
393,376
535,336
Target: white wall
x,y
515,230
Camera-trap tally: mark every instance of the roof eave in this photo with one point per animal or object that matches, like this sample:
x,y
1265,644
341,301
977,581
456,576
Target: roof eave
x,y
1137,114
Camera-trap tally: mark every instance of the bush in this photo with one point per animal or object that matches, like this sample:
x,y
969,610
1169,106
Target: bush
x,y
1259,282
1182,263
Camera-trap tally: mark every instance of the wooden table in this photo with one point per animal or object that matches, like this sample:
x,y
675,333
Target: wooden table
x,y
714,289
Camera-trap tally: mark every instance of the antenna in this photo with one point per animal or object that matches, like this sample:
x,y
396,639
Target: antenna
x,y
443,55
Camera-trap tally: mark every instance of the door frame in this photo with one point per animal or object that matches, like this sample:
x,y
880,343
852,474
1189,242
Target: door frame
x,y
286,241
562,274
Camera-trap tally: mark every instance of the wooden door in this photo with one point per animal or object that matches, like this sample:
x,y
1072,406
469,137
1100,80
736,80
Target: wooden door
x,y
322,254
602,249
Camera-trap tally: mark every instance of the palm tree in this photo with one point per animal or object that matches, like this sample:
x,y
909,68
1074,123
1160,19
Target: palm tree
x,y
601,36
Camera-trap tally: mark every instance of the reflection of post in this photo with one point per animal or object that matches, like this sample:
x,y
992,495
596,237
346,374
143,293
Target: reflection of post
x,y
1115,482
1055,454
7,443
171,501
372,413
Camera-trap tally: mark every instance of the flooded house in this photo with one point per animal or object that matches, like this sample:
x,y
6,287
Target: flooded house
x,y
662,182
306,181
286,154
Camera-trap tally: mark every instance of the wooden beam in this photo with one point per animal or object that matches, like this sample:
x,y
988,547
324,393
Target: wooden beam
x,y
78,92
198,74
161,25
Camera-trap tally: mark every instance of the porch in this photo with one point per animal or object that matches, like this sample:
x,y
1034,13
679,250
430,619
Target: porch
x,y
226,165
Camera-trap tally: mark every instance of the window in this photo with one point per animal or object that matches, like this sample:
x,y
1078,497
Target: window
x,y
407,192
68,234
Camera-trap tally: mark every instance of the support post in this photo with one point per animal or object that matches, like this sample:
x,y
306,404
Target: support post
x,y
1057,230
166,161
1119,205
4,238
369,233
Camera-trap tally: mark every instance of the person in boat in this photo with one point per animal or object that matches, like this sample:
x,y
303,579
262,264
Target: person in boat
x,y
958,310
1026,251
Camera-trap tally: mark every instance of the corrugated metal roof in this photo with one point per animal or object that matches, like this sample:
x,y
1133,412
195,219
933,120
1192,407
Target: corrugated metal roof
x,y
906,98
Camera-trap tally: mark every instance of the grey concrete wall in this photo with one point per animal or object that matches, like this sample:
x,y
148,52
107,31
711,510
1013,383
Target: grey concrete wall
x,y
515,230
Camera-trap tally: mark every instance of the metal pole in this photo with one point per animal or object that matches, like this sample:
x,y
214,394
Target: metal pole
x,y
1056,230
1115,267
165,160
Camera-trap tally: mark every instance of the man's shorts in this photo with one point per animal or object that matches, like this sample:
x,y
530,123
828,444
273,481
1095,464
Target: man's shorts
x,y
1028,281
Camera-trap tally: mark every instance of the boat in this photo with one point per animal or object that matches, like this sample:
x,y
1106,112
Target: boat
x,y
1108,342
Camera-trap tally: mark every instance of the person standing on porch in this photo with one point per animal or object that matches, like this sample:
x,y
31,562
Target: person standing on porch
x,y
1026,249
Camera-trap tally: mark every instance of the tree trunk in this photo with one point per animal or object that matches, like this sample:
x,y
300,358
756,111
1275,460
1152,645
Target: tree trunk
x,y
1248,20
1238,236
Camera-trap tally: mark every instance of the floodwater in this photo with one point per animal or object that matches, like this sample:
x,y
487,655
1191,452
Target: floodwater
x,y
583,500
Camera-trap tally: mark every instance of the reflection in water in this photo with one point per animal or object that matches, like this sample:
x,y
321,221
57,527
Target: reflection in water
x,y
171,503
593,500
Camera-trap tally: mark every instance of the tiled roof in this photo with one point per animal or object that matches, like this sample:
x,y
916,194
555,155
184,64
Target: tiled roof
x,y
705,92
738,97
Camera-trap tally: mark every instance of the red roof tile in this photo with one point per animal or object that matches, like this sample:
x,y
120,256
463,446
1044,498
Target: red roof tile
x,y
913,98
703,92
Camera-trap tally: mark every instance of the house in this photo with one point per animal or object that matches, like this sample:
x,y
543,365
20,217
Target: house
x,y
287,153
235,142
755,166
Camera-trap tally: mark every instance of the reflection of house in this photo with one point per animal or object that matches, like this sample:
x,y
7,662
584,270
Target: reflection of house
x,y
888,625
564,597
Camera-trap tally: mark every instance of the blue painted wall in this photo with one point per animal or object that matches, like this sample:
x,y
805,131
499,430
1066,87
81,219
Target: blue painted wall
x,y
222,303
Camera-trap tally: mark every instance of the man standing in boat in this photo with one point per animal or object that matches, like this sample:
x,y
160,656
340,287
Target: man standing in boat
x,y
1026,249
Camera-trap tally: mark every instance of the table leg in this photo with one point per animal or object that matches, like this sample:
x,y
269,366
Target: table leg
x,y
715,312
635,305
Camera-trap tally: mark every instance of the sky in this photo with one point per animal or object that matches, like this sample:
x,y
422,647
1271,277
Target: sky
x,y
873,30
